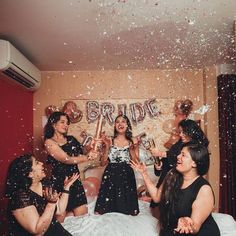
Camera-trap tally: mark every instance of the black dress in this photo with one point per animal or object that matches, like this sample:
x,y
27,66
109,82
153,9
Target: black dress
x,y
22,199
118,191
60,170
183,207
167,164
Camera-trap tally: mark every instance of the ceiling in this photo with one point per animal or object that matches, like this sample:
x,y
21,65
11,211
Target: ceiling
x,y
120,34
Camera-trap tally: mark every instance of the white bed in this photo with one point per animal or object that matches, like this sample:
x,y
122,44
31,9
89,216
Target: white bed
x,y
116,224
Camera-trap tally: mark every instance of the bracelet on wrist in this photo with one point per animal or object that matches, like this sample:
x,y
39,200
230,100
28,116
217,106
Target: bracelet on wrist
x,y
65,191
52,201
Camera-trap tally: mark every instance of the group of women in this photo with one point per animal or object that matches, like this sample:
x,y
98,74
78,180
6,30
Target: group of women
x,y
185,199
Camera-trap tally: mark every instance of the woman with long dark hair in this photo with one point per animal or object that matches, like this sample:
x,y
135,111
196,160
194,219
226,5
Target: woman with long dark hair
x,y
32,203
65,153
186,198
118,191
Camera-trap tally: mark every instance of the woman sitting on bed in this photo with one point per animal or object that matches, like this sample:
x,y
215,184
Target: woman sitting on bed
x,y
186,198
32,205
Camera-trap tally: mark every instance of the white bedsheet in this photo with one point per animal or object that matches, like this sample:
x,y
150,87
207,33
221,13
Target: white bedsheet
x,y
116,224
226,223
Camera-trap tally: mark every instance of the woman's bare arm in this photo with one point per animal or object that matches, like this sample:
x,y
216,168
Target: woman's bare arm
x,y
201,209
30,220
134,150
154,192
55,151
107,141
63,200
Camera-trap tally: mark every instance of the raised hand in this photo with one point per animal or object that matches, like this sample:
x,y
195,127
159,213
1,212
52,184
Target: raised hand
x,y
69,181
51,195
106,139
158,165
138,166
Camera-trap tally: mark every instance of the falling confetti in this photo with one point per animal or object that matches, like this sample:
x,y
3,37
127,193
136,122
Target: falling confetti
x,y
202,110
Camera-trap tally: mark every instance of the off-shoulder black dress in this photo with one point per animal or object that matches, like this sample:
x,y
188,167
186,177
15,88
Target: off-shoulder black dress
x,y
24,198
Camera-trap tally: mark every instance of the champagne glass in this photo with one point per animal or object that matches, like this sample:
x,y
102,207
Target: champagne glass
x,y
149,144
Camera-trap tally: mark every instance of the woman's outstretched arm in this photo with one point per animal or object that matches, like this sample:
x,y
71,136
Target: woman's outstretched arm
x,y
154,192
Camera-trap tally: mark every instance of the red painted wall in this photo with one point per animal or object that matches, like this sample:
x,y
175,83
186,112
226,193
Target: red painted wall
x,y
16,120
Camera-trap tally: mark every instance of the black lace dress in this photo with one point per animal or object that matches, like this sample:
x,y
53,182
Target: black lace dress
x,y
60,170
22,199
183,207
118,191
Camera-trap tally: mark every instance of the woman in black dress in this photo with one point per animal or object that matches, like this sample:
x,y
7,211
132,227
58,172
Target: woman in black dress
x,y
190,132
32,205
186,198
65,153
118,191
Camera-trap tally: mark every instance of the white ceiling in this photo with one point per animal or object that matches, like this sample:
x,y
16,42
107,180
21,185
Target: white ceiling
x,y
120,34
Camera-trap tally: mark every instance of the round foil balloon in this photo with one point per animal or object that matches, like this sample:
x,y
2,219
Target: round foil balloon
x,y
70,108
168,126
50,109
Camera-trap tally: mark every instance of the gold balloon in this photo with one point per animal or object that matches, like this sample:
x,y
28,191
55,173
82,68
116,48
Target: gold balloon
x,y
168,126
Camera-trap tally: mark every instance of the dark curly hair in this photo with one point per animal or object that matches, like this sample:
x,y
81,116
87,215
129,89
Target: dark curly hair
x,y
128,132
53,119
183,107
18,174
174,180
194,131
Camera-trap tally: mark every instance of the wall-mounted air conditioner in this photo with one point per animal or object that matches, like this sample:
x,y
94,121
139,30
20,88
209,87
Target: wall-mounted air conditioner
x,y
17,67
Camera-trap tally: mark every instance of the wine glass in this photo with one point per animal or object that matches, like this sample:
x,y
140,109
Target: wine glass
x,y
149,144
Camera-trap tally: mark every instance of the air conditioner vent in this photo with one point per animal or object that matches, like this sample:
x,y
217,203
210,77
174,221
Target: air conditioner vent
x,y
18,78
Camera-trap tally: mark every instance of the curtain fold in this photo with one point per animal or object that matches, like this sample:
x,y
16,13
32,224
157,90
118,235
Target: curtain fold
x,y
227,131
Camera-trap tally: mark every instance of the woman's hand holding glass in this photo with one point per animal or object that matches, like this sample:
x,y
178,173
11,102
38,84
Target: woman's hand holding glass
x,y
93,154
158,165
97,145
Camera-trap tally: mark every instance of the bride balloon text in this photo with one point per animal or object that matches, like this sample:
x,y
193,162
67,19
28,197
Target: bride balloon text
x,y
137,111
